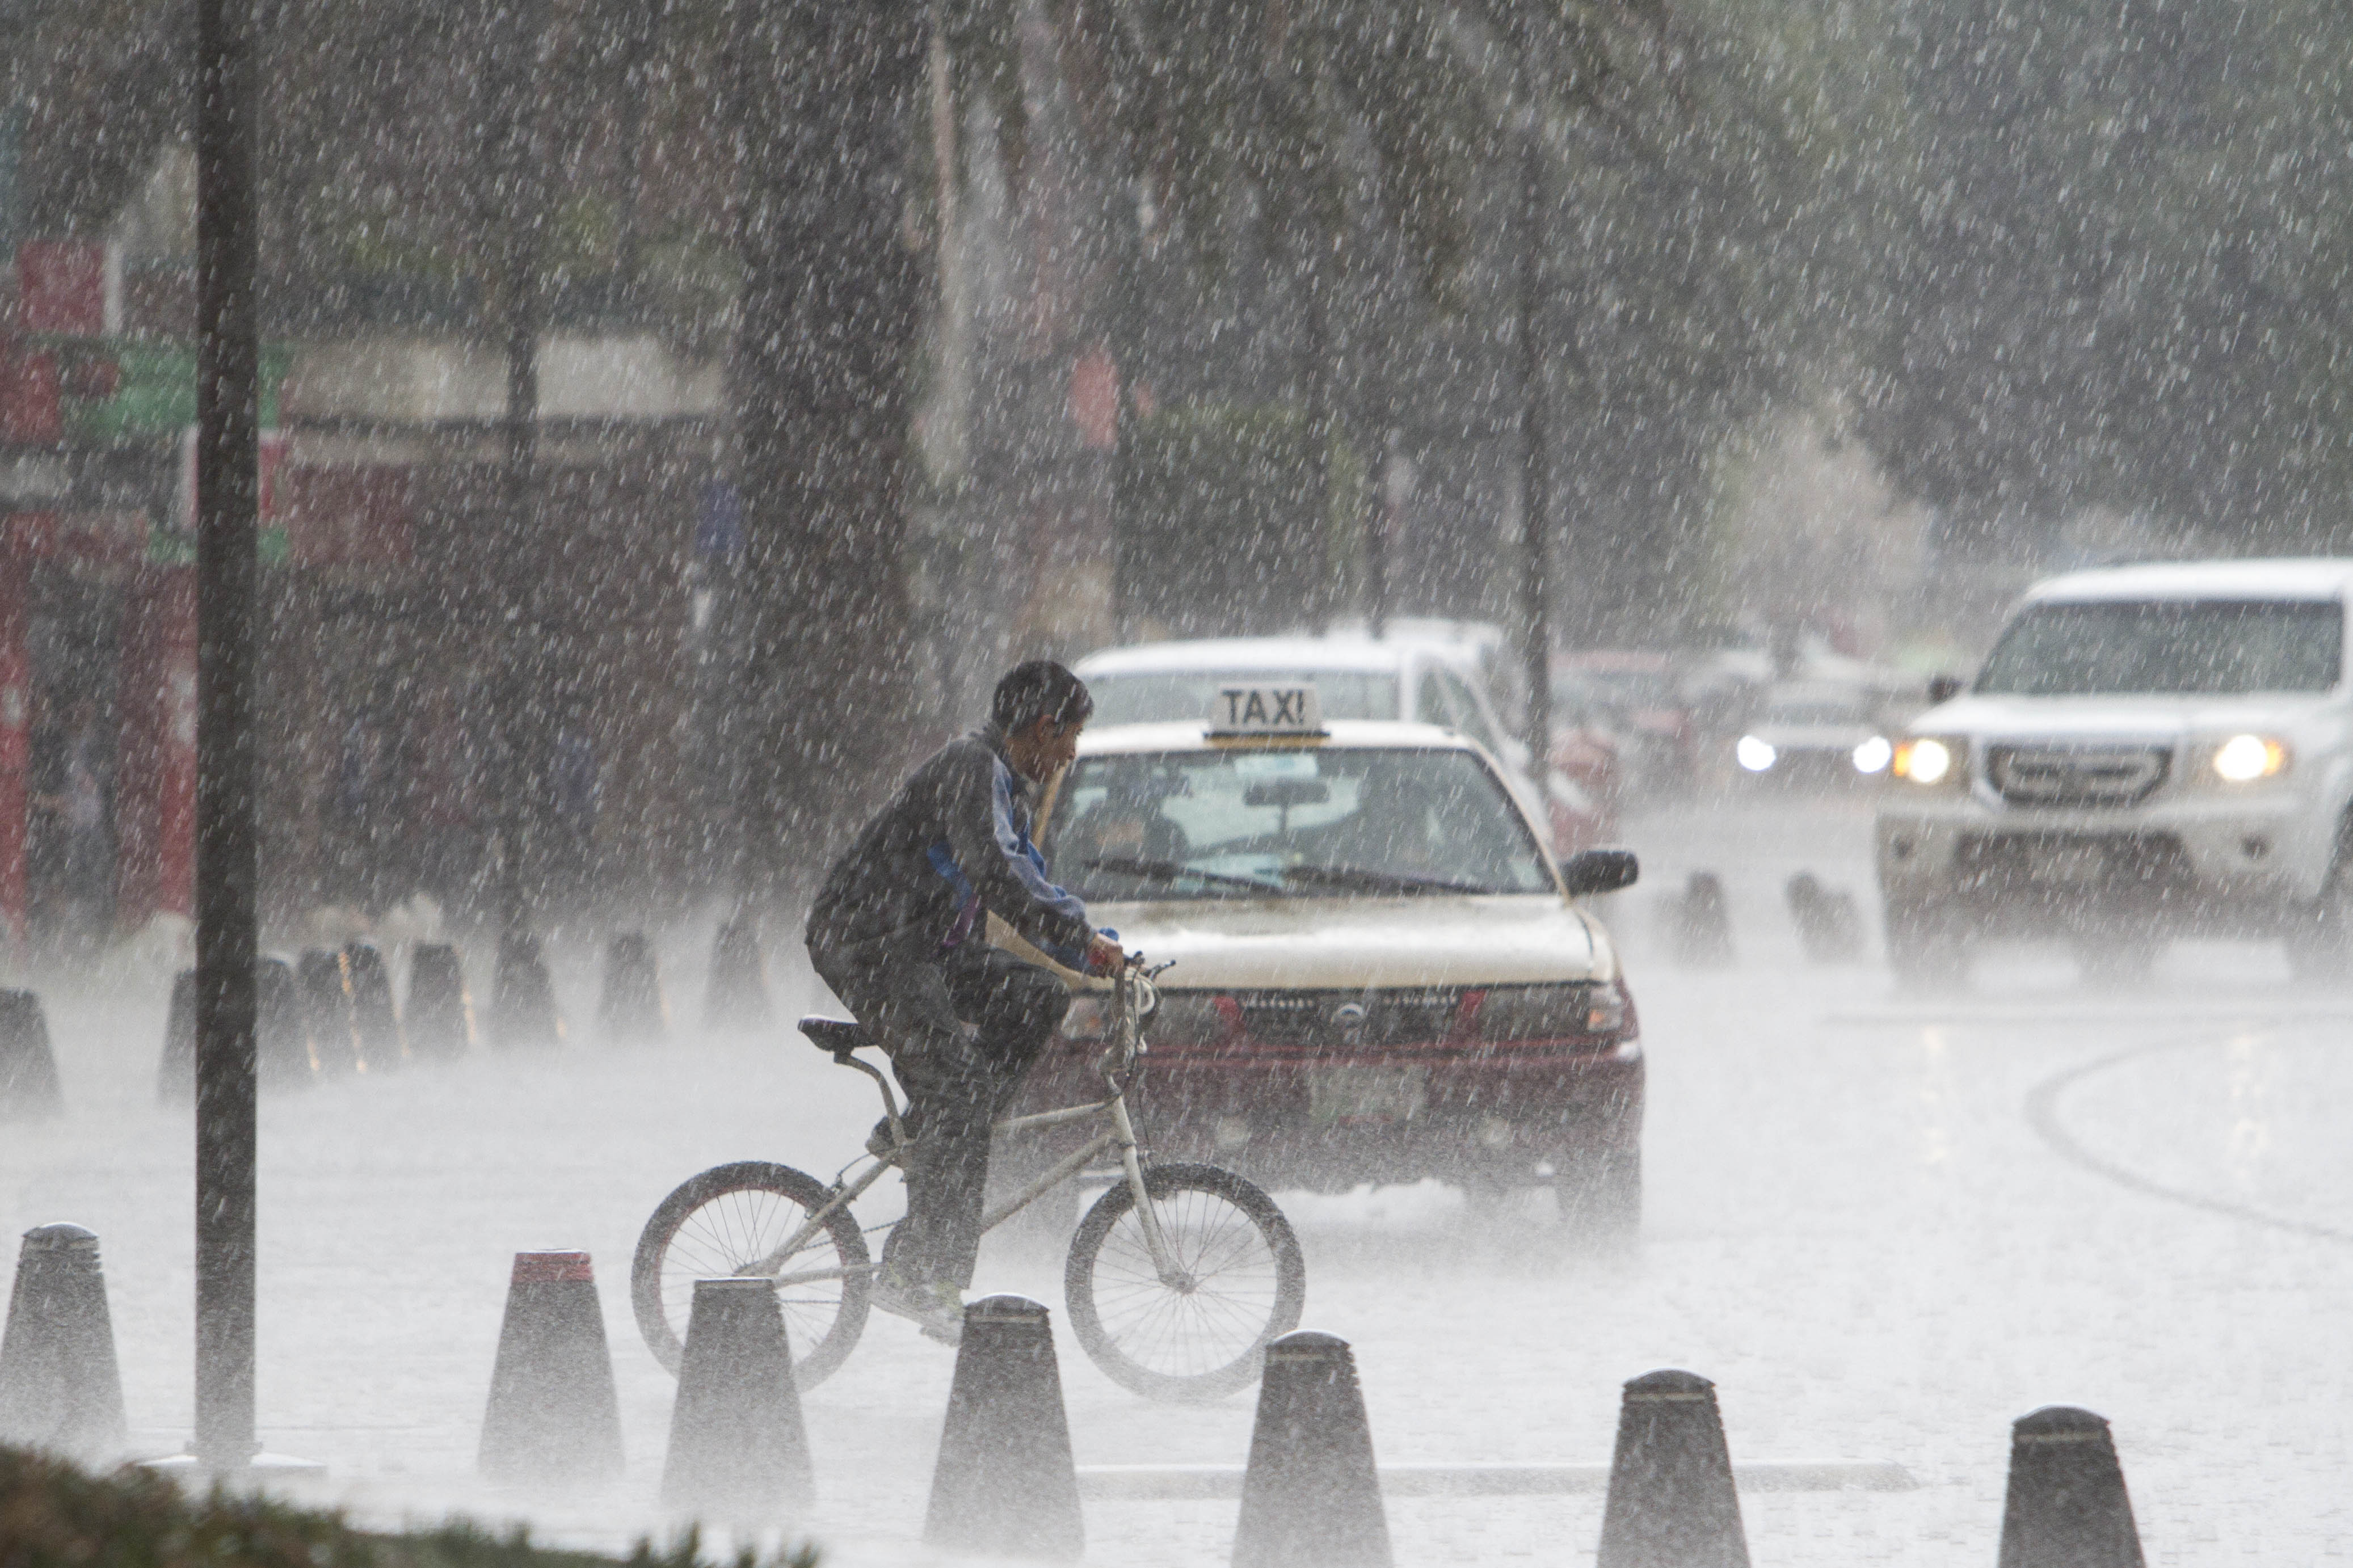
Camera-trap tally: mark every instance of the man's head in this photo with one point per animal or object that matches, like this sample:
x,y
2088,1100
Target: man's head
x,y
1041,707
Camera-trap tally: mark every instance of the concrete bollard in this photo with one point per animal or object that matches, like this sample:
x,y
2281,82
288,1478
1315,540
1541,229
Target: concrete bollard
x,y
737,1448
175,1075
327,1012
60,1385
1830,929
524,1014
631,1010
1310,1495
30,1088
2067,1506
737,997
281,1045
1004,1485
1671,1501
553,1417
281,1039
375,1022
1699,924
440,1018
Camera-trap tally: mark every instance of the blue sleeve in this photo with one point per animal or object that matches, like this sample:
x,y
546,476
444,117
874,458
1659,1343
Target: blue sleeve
x,y
996,855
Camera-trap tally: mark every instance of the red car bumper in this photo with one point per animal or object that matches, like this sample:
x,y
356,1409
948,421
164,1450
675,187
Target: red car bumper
x,y
1329,1113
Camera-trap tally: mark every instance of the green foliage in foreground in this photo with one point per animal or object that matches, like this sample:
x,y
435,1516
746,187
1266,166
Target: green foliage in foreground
x,y
55,1515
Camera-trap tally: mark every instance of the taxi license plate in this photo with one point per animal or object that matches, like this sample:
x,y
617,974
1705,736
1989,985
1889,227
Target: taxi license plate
x,y
1365,1095
2070,863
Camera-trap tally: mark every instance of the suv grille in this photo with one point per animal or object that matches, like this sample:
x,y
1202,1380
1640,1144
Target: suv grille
x,y
2076,775
1313,1017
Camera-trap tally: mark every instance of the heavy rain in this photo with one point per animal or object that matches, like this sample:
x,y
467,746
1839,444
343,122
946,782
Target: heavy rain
x,y
1629,719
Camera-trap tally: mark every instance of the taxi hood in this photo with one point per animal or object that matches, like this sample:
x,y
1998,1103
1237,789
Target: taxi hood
x,y
1353,944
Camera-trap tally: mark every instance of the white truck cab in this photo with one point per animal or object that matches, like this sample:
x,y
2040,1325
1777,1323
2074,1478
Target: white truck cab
x,y
2148,751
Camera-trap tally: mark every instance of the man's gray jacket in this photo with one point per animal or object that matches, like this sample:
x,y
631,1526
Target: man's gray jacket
x,y
953,842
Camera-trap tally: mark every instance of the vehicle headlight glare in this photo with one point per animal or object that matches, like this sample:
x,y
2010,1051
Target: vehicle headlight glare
x,y
2242,759
1925,761
1874,755
1755,755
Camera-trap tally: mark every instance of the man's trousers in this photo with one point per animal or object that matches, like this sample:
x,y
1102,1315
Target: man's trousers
x,y
961,1029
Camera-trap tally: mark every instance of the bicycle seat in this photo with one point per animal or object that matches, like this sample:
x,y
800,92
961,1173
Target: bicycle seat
x,y
835,1037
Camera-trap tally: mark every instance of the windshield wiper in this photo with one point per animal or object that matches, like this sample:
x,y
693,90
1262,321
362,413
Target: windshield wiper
x,y
1170,872
1366,876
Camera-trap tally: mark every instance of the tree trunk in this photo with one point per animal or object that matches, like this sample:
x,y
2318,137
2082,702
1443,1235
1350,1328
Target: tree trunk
x,y
525,672
1535,606
832,313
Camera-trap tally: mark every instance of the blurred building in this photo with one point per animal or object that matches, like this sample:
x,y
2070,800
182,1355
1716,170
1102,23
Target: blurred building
x,y
390,567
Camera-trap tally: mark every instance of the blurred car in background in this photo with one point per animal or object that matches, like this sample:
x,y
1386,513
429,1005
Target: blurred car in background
x,y
1380,973
1659,744
1815,735
1588,746
1432,679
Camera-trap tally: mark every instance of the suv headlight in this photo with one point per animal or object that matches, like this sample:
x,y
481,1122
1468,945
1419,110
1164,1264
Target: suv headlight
x,y
2243,759
1551,1012
1931,760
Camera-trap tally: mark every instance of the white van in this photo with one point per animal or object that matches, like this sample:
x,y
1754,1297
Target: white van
x,y
2148,751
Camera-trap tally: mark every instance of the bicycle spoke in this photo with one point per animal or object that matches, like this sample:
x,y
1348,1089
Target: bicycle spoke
x,y
740,1228
1232,1280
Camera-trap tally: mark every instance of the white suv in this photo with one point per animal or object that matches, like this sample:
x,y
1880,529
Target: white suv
x,y
2148,751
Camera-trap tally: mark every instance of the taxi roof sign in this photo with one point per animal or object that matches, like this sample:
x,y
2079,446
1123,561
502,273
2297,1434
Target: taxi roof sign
x,y
1286,708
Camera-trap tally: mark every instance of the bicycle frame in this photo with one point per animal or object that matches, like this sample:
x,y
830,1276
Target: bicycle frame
x,y
1117,1064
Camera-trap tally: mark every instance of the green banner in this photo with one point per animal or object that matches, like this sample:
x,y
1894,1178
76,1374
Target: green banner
x,y
156,392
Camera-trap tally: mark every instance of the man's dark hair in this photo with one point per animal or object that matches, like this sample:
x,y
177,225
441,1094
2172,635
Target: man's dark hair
x,y
1040,689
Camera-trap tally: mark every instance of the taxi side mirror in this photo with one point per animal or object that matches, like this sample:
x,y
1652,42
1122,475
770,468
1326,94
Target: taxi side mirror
x,y
1943,689
1600,871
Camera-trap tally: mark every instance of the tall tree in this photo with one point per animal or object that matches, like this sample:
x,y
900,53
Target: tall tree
x,y
831,97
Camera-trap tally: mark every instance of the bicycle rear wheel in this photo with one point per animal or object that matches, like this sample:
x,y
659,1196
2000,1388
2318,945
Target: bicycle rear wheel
x,y
734,1215
1242,1283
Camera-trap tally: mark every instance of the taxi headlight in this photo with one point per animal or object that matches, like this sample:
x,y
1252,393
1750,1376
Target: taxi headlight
x,y
1930,760
1755,753
1188,1018
1550,1012
1874,755
2242,759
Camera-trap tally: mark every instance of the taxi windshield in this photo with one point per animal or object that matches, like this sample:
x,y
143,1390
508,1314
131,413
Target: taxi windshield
x,y
1305,823
1156,696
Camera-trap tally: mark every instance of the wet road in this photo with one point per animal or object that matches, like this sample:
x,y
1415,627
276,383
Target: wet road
x,y
1885,1227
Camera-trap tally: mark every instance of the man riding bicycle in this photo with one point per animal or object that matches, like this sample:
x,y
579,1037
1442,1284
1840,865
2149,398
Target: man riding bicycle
x,y
898,931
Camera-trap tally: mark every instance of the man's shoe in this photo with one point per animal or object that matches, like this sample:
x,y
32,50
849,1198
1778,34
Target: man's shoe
x,y
938,1310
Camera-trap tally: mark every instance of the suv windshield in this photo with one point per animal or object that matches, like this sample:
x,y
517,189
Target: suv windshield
x,y
1821,713
1157,696
2169,646
1304,824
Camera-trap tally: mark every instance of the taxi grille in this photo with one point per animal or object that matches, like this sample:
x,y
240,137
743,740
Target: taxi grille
x,y
1418,1017
2076,775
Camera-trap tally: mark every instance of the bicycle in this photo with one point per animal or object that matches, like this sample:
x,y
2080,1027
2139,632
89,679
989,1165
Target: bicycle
x,y
1176,1279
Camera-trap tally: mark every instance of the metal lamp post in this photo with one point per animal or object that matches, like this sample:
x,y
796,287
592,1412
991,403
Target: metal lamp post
x,y
228,418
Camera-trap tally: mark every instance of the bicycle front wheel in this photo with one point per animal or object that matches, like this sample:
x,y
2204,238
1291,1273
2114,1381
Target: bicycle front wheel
x,y
731,1216
1238,1282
